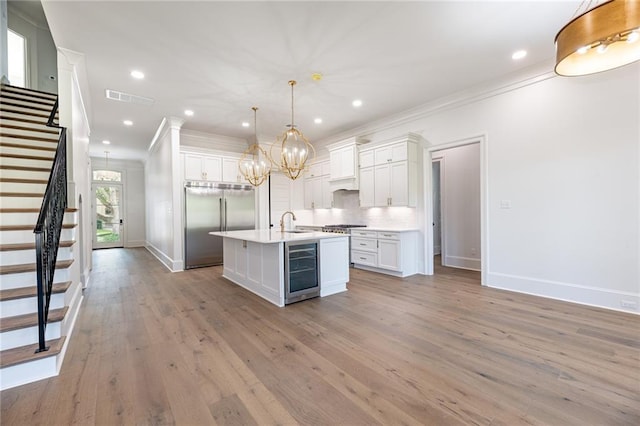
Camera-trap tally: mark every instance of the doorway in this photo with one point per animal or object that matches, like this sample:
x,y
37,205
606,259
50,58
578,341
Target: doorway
x,y
107,215
456,175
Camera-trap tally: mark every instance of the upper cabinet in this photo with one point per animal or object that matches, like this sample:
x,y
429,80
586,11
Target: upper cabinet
x,y
343,158
317,194
389,173
211,168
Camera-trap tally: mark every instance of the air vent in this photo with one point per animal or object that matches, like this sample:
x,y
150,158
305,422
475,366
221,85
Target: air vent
x,y
126,97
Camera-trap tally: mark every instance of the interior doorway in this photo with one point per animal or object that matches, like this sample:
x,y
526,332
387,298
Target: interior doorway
x,y
455,199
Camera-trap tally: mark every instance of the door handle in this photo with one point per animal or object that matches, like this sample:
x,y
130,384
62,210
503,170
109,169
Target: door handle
x,y
221,218
225,215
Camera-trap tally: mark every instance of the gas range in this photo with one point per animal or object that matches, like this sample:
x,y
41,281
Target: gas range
x,y
340,229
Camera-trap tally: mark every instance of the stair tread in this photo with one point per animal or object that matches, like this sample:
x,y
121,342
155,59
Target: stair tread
x,y
24,292
29,137
25,120
24,168
32,210
30,246
30,267
33,113
30,227
12,103
47,130
25,157
21,194
23,146
20,180
31,92
33,99
28,353
29,320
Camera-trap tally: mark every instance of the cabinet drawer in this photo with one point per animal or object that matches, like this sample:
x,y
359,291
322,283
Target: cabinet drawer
x,y
364,244
364,258
389,235
366,234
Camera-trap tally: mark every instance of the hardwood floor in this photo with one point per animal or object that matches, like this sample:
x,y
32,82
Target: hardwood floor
x,y
152,347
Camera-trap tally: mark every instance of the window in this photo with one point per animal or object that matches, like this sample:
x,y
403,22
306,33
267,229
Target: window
x,y
17,59
107,176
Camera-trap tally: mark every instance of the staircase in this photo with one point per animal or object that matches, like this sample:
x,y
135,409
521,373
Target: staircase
x,y
27,148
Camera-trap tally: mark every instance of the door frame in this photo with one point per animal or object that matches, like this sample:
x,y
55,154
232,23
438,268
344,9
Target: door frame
x,y
482,139
94,243
440,160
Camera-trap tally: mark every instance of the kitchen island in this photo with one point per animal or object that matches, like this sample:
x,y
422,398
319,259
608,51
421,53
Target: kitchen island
x,y
255,260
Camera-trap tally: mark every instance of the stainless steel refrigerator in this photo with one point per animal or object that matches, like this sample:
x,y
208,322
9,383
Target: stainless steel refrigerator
x,y
214,207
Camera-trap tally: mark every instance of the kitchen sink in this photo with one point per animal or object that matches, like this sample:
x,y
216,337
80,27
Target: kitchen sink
x,y
292,231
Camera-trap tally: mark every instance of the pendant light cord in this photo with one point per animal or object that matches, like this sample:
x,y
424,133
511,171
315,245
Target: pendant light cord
x,y
292,83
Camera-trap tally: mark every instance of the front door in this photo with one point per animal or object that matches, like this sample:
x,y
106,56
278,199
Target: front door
x,y
107,216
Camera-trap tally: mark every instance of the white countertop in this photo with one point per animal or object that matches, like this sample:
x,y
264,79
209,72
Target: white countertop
x,y
267,236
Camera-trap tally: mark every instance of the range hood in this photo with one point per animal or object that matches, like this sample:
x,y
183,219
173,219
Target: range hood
x,y
348,184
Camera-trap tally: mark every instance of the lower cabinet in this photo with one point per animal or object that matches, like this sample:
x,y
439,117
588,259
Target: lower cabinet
x,y
388,252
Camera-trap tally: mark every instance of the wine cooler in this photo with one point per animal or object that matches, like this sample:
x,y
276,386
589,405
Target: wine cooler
x,y
302,271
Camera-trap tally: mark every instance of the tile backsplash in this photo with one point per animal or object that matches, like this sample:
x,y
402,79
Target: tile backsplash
x,y
350,212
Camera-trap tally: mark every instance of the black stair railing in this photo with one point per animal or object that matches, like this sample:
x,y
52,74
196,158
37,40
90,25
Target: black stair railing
x,y
49,227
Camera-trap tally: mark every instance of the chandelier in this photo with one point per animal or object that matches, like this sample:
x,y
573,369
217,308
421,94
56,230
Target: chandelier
x,y
295,148
600,39
252,164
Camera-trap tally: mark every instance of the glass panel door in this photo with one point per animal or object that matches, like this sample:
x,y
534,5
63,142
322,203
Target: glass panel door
x,y
107,207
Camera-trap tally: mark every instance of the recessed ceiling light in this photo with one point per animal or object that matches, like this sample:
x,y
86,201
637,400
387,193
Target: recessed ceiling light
x,y
127,123
519,54
357,103
137,74
106,142
245,124
318,120
188,113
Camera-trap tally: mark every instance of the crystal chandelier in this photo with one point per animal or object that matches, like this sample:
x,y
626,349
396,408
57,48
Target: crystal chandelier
x,y
254,164
600,39
295,148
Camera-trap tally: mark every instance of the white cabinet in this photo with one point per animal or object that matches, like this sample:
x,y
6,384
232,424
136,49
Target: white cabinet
x,y
389,175
211,168
343,158
230,170
343,162
388,252
317,192
202,167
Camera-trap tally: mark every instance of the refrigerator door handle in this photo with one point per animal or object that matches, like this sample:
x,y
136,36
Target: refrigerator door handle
x,y
225,214
221,218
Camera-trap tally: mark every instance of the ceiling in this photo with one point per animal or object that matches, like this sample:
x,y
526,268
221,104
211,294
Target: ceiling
x,y
221,58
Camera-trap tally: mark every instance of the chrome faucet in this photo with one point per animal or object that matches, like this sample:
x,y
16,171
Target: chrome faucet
x,y
293,216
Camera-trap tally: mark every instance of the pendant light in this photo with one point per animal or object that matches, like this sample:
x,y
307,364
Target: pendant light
x,y
254,164
600,39
295,148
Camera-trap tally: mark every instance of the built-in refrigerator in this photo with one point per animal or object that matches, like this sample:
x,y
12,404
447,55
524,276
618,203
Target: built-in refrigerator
x,y
214,207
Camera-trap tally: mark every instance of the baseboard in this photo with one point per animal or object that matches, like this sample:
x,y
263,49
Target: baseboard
x,y
567,292
135,243
69,334
462,262
172,265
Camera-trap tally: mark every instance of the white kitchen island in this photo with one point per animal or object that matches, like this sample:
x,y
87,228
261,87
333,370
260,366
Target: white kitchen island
x,y
255,260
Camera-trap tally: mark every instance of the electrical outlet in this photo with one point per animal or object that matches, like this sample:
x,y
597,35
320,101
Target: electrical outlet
x,y
629,304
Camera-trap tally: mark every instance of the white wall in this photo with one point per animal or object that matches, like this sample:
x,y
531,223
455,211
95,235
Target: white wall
x,y
4,67
163,201
41,51
460,202
134,197
564,152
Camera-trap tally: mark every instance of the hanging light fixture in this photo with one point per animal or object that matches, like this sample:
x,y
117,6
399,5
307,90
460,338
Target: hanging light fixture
x,y
254,164
295,148
600,39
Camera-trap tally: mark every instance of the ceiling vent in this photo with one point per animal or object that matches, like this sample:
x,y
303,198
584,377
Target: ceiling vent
x,y
126,97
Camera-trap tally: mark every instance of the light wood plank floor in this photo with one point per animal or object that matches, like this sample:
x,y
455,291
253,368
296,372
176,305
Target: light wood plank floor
x,y
152,347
